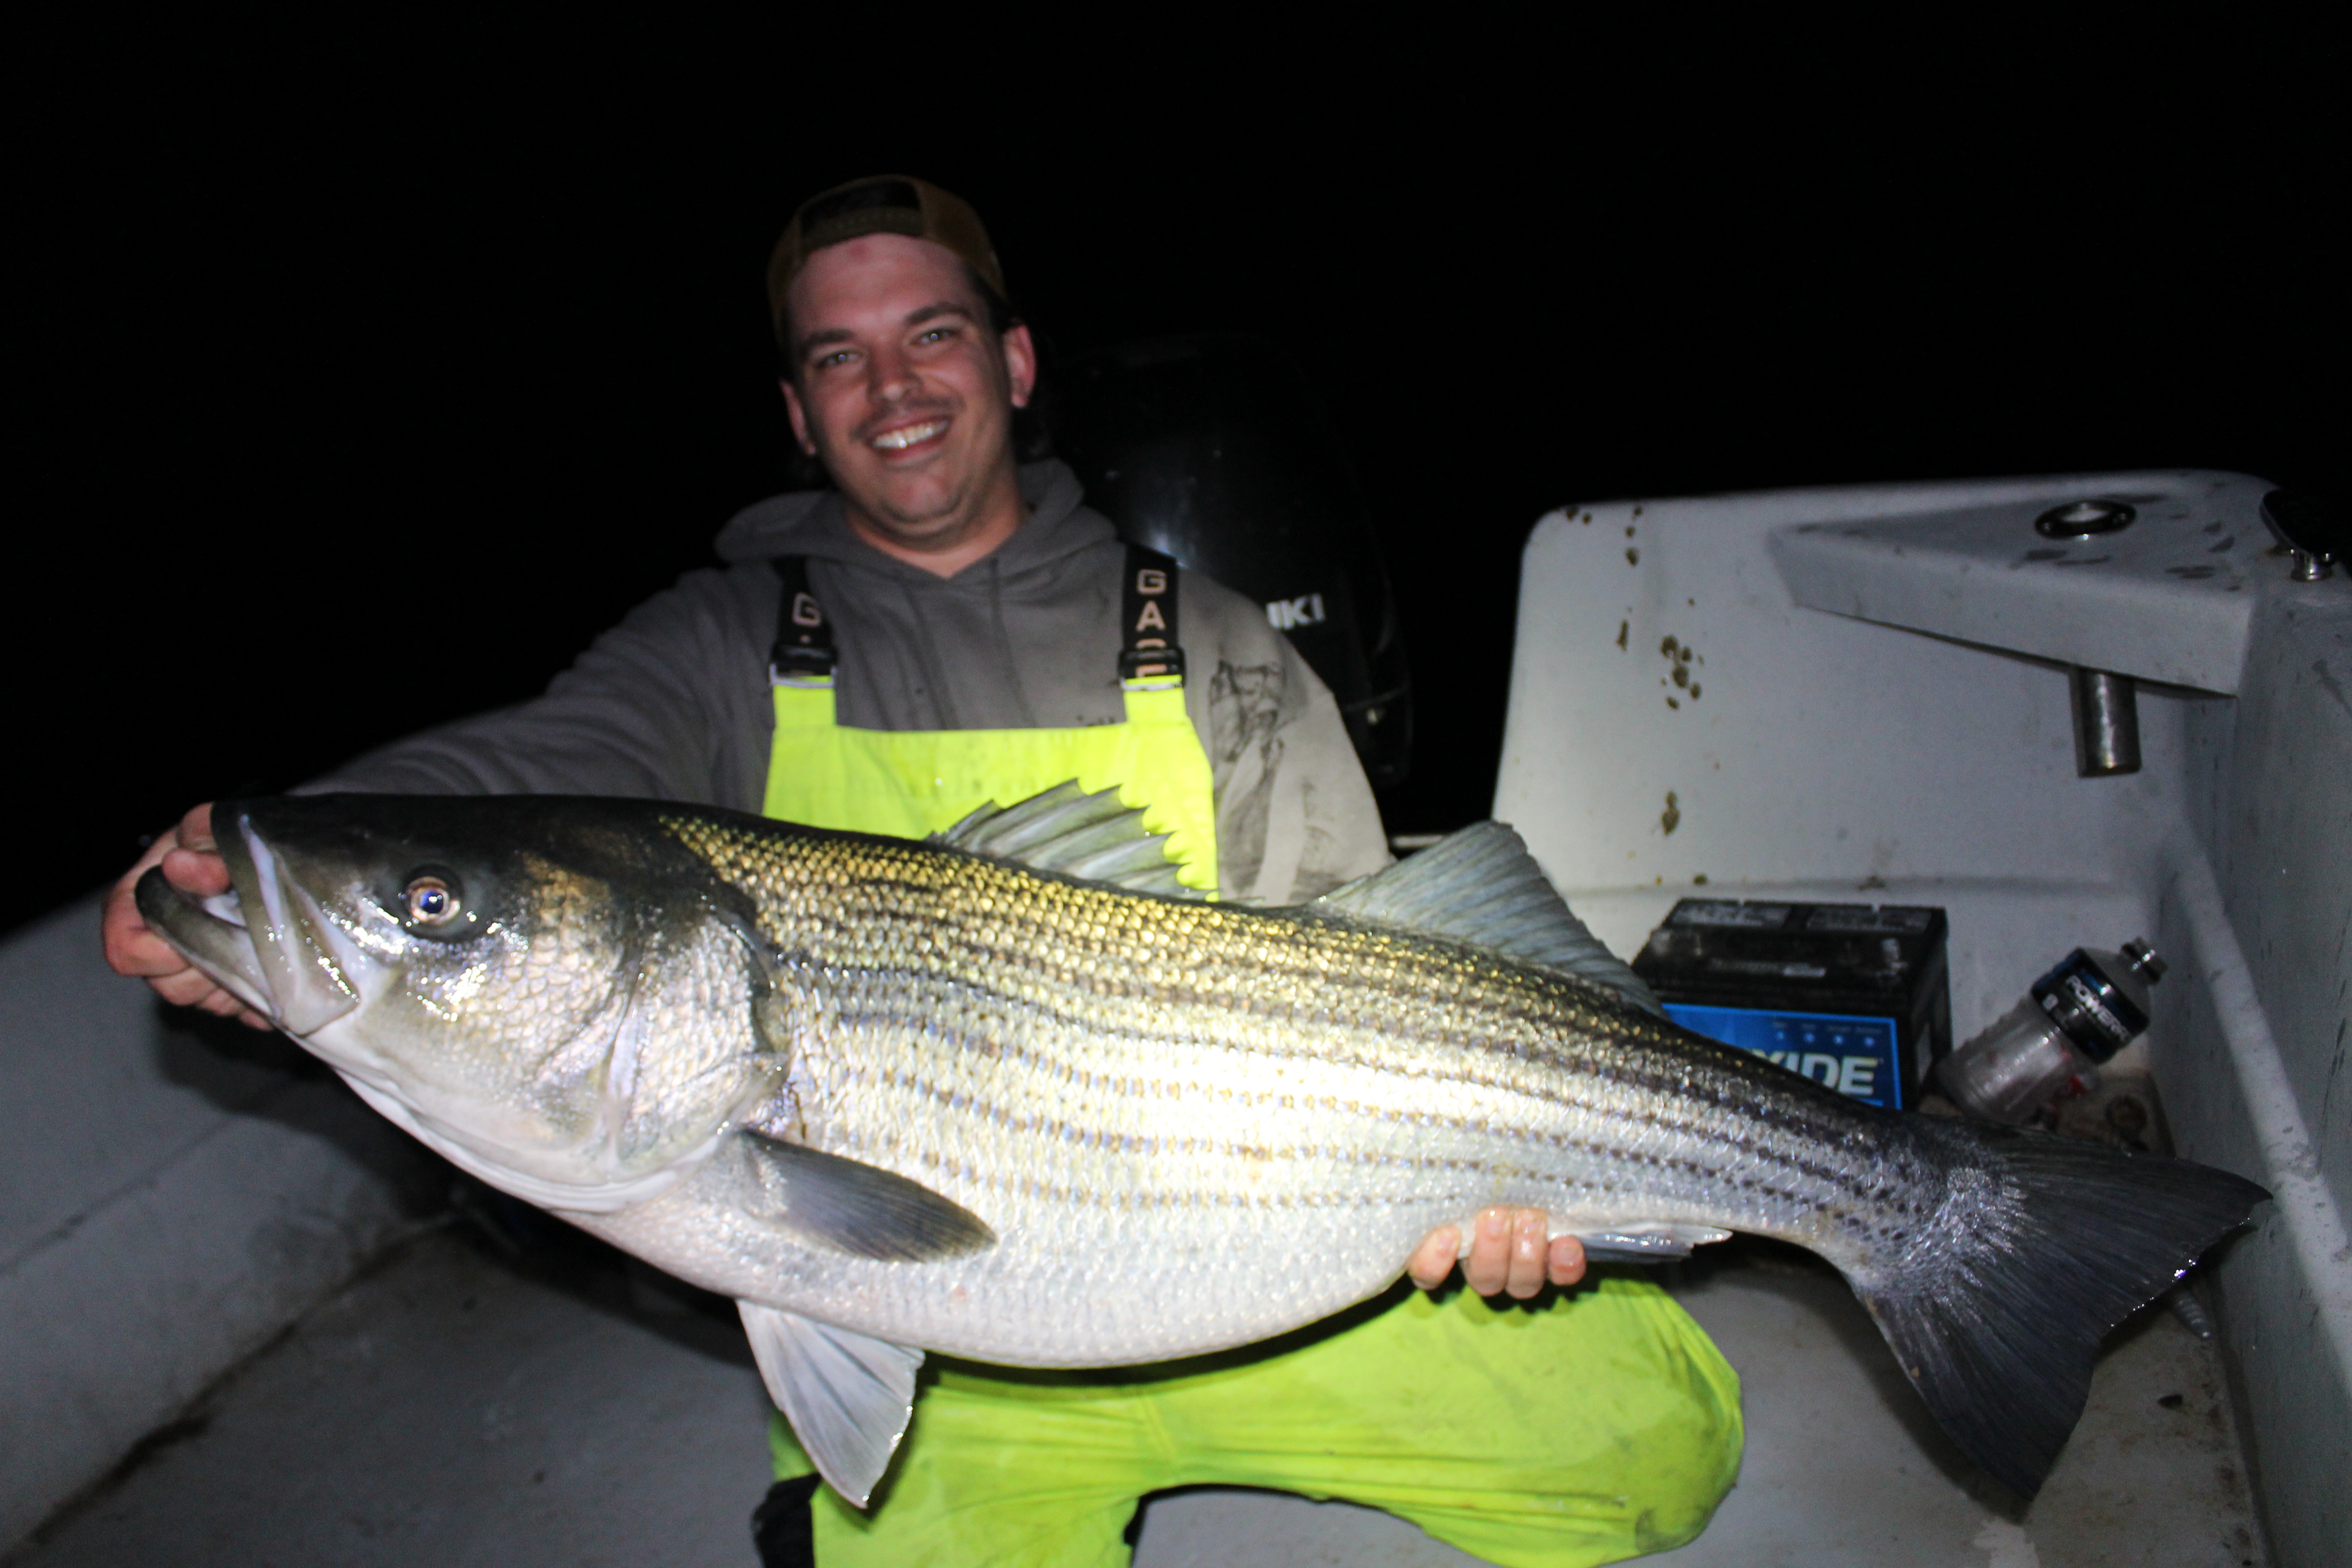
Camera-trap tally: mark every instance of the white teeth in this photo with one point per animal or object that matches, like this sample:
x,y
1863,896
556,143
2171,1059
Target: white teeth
x,y
897,440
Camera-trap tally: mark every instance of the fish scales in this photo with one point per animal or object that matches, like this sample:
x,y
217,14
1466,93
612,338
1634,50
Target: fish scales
x,y
1098,1072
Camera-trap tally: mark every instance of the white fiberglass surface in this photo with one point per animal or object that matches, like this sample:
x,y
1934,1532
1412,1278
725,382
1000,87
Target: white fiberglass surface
x,y
457,1408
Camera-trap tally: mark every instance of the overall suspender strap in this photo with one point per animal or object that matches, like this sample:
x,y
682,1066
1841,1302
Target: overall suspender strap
x,y
1149,653
803,652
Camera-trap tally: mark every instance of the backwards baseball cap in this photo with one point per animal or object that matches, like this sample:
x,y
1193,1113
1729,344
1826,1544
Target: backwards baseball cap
x,y
883,204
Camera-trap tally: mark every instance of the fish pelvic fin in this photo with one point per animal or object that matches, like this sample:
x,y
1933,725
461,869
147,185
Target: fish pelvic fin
x,y
1481,886
848,1395
1996,1306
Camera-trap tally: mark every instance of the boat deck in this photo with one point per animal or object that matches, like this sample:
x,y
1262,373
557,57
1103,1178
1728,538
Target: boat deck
x,y
464,1404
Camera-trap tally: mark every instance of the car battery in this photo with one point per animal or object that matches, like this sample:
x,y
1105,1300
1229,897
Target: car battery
x,y
1853,996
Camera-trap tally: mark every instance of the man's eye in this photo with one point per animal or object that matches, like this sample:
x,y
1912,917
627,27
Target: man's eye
x,y
936,336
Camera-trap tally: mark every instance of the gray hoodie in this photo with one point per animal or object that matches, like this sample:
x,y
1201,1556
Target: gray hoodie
x,y
674,704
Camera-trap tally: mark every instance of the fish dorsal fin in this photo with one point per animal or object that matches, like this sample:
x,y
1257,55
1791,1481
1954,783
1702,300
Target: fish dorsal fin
x,y
848,1395
1066,829
850,1206
1481,886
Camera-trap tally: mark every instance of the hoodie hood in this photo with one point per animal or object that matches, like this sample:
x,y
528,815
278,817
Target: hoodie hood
x,y
1025,637
812,523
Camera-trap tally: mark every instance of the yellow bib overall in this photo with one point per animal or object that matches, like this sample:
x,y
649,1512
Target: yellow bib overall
x,y
1580,1430
911,782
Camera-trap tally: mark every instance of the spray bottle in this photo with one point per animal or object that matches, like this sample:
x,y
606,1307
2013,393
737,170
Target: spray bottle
x,y
2051,1043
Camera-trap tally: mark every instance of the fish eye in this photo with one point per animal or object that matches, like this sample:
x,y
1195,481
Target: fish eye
x,y
432,898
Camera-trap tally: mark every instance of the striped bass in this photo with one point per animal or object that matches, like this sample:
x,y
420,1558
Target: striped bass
x,y
1005,1095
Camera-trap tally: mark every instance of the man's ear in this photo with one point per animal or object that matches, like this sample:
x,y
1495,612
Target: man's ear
x,y
799,417
1020,364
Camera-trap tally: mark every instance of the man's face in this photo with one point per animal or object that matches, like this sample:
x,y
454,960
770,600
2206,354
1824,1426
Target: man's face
x,y
903,391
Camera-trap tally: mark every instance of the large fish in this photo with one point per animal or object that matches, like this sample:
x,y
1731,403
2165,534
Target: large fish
x,y
995,1096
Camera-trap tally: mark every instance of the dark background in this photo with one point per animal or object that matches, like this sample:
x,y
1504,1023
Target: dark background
x,y
361,372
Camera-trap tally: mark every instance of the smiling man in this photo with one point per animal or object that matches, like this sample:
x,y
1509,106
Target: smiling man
x,y
947,626
910,410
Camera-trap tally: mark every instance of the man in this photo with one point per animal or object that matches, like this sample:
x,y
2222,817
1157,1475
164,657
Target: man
x,y
947,627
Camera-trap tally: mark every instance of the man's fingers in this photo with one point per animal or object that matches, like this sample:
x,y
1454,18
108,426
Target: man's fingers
x,y
194,864
1488,1268
188,987
130,947
1433,1260
186,854
201,872
225,1004
1531,1250
1510,1250
195,829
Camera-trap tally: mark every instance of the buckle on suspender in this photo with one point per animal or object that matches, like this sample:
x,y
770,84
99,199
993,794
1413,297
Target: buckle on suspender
x,y
800,667
803,654
1148,670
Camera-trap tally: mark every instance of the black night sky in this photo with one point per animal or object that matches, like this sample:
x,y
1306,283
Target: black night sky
x,y
362,369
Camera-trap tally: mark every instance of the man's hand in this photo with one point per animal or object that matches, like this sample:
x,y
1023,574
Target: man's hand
x,y
1507,1252
194,866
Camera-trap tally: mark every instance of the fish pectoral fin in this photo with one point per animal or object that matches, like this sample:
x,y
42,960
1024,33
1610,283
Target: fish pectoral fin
x,y
1482,886
855,1207
1647,1243
848,1395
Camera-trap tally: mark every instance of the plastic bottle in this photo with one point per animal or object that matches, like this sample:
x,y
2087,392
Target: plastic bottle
x,y
2051,1043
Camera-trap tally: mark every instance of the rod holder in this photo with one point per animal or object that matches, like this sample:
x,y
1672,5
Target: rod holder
x,y
2106,723
2313,536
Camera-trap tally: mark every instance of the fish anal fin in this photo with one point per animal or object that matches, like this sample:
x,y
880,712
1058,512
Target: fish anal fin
x,y
854,1207
1481,886
848,1395
1647,1243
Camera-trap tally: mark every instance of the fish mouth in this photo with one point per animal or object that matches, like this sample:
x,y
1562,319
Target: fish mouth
x,y
210,933
266,941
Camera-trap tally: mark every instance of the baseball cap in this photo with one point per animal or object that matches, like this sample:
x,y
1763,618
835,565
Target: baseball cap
x,y
881,204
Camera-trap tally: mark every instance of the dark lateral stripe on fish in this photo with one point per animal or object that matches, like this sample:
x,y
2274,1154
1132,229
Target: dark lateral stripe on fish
x,y
942,1167
1797,1197
1529,1056
1665,1094
1054,1130
1028,1123
1491,1035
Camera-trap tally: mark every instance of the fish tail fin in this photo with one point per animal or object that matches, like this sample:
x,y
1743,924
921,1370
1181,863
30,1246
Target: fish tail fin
x,y
2038,1247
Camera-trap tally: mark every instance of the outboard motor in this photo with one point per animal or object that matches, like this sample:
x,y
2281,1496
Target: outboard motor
x,y
1216,449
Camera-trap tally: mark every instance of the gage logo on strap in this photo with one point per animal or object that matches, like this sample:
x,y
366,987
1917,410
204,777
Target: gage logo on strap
x,y
1150,656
